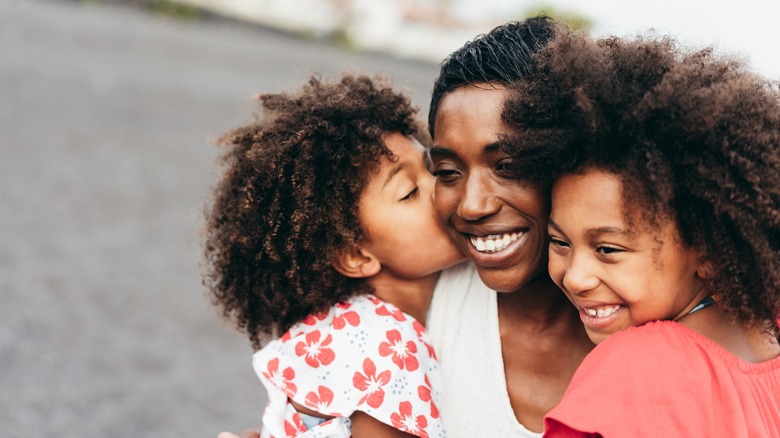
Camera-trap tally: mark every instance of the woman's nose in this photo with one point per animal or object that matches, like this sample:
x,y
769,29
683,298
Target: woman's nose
x,y
478,199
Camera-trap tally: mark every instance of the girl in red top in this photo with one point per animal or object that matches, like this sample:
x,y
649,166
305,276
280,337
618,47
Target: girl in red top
x,y
664,233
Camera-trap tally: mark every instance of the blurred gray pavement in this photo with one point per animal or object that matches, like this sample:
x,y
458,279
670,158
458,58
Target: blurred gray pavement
x,y
106,118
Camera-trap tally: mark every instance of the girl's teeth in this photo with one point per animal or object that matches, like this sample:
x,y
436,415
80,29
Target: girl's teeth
x,y
601,312
493,243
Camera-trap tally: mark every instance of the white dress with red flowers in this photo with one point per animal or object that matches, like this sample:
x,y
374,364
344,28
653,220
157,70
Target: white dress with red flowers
x,y
362,355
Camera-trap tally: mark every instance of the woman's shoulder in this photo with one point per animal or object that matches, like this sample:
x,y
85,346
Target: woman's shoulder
x,y
459,289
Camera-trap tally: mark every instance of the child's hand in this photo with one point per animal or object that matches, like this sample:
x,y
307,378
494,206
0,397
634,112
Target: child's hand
x,y
249,433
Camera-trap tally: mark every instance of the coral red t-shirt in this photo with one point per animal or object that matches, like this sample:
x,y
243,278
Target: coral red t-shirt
x,y
665,380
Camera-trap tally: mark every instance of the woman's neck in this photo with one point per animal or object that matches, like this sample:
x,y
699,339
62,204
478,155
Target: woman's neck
x,y
538,301
412,296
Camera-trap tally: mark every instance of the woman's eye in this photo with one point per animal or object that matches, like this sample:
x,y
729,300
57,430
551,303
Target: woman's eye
x,y
504,167
446,174
410,195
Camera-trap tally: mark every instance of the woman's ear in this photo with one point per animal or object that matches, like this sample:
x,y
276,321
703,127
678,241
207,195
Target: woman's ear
x,y
356,262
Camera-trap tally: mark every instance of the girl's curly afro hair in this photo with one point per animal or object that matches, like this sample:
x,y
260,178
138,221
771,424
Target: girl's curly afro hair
x,y
694,137
287,202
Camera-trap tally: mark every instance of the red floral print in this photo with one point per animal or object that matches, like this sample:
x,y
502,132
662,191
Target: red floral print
x,y
424,391
371,384
282,380
384,309
361,354
350,317
314,317
315,352
320,400
404,420
423,336
403,352
294,428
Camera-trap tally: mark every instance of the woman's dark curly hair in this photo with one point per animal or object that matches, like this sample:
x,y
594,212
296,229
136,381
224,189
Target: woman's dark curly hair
x,y
287,203
694,137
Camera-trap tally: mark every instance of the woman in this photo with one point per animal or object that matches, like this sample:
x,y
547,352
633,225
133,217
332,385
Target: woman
x,y
508,350
508,340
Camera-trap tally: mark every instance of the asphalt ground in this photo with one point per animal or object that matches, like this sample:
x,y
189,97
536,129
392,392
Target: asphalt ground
x,y
107,116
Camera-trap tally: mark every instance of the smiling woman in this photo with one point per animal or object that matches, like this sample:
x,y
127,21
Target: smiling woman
x,y
508,327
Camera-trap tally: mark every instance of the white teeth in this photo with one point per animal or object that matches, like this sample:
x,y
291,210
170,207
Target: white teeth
x,y
601,312
493,243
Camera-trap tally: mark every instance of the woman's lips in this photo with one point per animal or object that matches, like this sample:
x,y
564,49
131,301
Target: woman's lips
x,y
495,250
494,242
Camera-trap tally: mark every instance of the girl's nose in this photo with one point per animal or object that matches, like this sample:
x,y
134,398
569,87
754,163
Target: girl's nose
x,y
579,275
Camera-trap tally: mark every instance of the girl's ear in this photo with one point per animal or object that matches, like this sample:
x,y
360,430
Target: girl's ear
x,y
705,269
357,262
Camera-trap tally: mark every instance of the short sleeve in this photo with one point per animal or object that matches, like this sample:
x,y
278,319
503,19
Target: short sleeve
x,y
636,383
363,355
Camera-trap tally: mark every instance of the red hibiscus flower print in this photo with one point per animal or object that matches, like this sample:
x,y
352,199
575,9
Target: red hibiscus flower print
x,y
320,400
295,427
283,380
371,383
404,420
424,391
385,309
352,318
403,352
314,317
317,353
423,336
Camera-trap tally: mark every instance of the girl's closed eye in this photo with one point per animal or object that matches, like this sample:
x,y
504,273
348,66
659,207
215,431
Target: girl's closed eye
x,y
411,195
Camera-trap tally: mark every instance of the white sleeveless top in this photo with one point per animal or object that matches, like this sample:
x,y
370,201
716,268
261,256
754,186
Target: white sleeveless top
x,y
463,327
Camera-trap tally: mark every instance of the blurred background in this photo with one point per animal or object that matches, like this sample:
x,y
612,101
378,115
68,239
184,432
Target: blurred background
x,y
107,116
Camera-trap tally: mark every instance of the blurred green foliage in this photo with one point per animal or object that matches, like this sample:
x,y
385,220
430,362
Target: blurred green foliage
x,y
575,20
168,8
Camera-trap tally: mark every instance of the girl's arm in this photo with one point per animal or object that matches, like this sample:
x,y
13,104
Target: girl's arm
x,y
249,433
365,426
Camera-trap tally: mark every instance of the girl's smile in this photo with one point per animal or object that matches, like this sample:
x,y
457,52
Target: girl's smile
x,y
617,269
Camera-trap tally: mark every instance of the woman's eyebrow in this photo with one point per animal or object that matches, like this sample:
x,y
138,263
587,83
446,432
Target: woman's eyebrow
x,y
441,152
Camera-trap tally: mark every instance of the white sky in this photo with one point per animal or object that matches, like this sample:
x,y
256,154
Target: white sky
x,y
745,27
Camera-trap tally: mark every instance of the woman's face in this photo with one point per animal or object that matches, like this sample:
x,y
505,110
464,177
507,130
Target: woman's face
x,y
500,223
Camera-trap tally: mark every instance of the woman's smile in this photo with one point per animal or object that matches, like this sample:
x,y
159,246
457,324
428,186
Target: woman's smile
x,y
497,221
